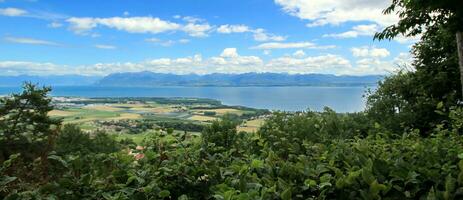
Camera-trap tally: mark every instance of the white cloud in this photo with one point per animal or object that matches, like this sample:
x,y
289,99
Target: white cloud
x,y
129,24
370,52
226,29
359,30
12,12
55,25
152,25
407,40
193,20
126,13
197,30
166,43
82,25
299,54
262,36
32,68
105,46
229,53
32,41
317,64
138,24
290,45
229,61
322,12
258,34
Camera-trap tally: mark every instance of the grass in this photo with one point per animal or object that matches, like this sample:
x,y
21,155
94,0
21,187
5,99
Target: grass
x,y
84,115
221,111
202,118
103,108
60,113
251,125
137,138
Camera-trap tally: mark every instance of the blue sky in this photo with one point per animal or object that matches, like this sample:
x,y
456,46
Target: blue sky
x,y
40,37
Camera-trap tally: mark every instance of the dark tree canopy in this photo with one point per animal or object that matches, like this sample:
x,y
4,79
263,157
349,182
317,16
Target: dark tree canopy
x,y
25,126
417,15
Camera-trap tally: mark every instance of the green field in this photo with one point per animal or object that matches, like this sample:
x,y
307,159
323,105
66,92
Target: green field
x,y
120,115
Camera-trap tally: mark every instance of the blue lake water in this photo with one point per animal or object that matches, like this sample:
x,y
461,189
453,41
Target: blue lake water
x,y
341,99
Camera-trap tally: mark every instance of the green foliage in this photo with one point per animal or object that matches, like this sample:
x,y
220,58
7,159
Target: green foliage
x,y
333,156
377,154
24,124
72,140
286,133
220,135
417,15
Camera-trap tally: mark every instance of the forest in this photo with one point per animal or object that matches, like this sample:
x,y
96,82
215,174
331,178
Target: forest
x,y
407,143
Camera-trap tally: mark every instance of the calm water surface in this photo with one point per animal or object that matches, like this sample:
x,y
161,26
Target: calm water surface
x,y
341,99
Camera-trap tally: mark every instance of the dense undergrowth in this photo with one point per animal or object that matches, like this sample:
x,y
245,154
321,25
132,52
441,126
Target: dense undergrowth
x,y
308,155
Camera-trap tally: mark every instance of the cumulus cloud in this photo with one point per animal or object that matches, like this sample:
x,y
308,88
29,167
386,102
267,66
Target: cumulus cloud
x,y
262,36
22,40
291,45
197,30
152,25
359,30
129,24
229,53
229,61
322,12
12,12
226,29
258,34
370,52
299,54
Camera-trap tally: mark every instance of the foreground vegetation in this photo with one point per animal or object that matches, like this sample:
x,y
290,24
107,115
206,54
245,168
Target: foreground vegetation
x,y
306,155
406,145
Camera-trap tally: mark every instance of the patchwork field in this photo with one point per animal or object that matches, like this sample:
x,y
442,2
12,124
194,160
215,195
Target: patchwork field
x,y
134,118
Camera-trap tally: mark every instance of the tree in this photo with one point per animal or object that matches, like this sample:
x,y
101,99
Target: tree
x,y
220,135
410,99
417,15
25,126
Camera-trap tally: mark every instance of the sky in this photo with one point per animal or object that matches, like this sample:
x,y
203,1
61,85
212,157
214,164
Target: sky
x,y
97,38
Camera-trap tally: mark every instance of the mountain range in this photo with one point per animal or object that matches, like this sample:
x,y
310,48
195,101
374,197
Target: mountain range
x,y
246,79
151,79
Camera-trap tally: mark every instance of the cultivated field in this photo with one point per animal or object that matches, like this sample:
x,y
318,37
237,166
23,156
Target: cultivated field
x,y
135,118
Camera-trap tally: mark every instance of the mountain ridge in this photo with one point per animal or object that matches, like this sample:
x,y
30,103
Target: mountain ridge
x,y
147,79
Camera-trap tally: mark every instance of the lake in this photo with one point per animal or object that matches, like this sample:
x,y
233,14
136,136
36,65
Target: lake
x,y
341,99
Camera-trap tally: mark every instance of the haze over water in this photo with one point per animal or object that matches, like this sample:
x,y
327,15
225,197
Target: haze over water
x,y
341,99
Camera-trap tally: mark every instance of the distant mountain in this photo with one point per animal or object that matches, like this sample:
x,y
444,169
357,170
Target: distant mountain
x,y
150,79
58,80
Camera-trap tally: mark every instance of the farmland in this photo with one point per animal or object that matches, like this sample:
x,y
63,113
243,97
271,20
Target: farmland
x,y
135,117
